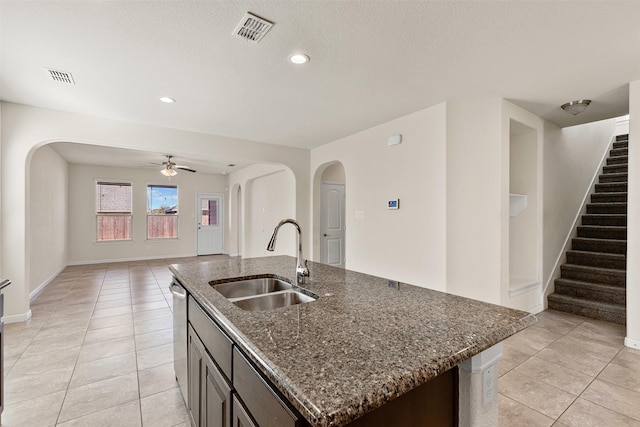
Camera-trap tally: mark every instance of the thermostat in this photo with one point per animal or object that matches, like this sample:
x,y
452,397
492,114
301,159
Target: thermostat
x,y
393,204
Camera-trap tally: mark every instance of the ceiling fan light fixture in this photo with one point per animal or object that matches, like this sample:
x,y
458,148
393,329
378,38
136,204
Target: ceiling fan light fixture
x,y
576,107
169,172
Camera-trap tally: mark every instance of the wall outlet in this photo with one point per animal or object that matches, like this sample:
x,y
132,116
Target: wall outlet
x,y
488,385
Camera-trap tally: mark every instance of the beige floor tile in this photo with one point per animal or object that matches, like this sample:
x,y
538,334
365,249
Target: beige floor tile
x,y
41,363
511,357
629,358
537,395
66,333
53,345
28,386
102,369
604,328
572,358
124,296
41,411
157,379
107,322
556,325
148,326
140,299
122,302
152,314
107,334
154,339
586,414
621,376
164,409
155,356
514,414
97,396
105,349
613,397
111,311
531,341
125,415
589,346
147,306
558,376
561,316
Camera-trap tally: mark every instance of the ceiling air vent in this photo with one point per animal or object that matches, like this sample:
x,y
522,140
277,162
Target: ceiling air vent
x,y
252,28
60,76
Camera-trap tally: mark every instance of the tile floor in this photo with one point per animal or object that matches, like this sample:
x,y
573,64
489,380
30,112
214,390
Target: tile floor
x,y
98,352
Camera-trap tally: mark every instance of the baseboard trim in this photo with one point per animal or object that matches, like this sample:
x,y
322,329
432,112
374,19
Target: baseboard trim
x,y
536,309
132,259
632,343
15,318
34,293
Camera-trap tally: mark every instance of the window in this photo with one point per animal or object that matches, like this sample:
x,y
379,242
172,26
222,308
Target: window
x,y
209,212
113,210
162,211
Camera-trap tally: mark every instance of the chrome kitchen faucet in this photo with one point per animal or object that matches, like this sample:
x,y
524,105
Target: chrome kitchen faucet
x,y
301,268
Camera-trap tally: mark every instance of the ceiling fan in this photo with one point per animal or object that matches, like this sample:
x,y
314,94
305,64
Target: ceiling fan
x,y
171,169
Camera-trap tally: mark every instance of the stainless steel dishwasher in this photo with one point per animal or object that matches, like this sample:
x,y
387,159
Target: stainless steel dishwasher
x,y
180,361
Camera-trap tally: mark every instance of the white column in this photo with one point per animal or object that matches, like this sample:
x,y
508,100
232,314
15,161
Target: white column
x,y
478,389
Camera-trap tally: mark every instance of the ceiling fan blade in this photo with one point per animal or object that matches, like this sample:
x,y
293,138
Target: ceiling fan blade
x,y
184,168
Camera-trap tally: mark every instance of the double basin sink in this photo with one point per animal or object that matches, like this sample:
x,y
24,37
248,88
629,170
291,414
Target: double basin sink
x,y
263,293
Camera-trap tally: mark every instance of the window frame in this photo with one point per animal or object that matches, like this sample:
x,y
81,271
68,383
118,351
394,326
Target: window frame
x,y
100,214
175,215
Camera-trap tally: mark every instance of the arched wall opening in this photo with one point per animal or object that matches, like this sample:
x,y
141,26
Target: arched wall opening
x,y
263,194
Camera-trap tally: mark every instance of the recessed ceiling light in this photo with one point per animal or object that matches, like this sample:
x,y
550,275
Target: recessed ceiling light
x,y
167,99
299,58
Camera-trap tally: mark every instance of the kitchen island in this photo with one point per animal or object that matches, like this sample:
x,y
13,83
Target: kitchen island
x,y
361,345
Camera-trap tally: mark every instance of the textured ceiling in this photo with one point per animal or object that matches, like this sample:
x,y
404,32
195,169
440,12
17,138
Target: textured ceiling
x,y
370,61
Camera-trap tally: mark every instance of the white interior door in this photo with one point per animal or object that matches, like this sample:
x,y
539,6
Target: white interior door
x,y
209,219
332,227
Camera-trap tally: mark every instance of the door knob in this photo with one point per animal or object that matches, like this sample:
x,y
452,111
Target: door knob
x,y
325,235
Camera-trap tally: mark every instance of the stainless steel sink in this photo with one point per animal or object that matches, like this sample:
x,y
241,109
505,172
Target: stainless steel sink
x,y
251,287
264,293
271,301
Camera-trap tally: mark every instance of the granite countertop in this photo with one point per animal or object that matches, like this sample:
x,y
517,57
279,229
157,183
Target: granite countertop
x,y
360,345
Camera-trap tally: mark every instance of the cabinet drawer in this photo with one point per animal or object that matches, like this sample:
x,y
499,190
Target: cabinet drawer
x,y
262,402
218,344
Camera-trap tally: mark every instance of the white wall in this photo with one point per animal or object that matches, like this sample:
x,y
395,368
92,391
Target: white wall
x,y
270,199
83,247
571,165
47,216
406,244
26,128
474,198
633,227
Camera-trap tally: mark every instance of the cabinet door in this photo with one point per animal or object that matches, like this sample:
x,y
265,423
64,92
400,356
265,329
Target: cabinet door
x,y
196,371
241,417
216,402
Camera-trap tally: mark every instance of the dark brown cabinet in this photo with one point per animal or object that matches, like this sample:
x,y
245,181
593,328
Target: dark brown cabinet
x,y
241,417
209,391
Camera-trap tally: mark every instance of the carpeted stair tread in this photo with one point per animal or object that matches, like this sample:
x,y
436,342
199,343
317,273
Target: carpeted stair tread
x,y
614,220
593,291
618,160
609,197
615,168
613,177
606,276
611,187
602,232
611,246
607,208
597,259
614,313
615,152
620,144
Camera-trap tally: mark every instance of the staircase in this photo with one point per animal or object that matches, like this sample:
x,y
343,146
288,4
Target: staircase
x,y
592,282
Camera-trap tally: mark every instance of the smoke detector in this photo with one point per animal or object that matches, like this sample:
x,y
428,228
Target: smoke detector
x,y
60,76
252,28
